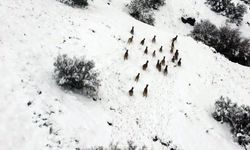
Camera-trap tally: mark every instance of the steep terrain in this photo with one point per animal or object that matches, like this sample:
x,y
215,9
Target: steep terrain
x,y
36,114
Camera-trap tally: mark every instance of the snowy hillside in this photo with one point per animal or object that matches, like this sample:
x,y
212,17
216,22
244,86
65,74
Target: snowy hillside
x,y
35,114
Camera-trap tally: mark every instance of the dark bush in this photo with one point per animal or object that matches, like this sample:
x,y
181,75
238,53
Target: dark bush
x,y
79,3
227,8
238,117
77,75
224,40
142,10
233,46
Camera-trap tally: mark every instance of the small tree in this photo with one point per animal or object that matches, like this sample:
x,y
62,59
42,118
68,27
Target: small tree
x,y
218,5
77,75
238,117
141,10
227,8
155,4
236,13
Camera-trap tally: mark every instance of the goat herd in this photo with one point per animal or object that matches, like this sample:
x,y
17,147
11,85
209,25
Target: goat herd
x,y
159,63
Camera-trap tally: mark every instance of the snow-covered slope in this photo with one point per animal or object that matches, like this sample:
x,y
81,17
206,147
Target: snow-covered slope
x,y
36,114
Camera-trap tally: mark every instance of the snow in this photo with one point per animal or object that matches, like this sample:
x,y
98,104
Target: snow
x,y
178,106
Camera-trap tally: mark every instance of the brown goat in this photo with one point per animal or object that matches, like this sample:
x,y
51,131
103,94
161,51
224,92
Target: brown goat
x,y
174,39
131,91
145,91
137,77
179,62
126,55
146,50
166,70
130,40
142,41
163,61
132,30
154,39
173,59
176,55
161,48
172,48
145,66
158,65
153,54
